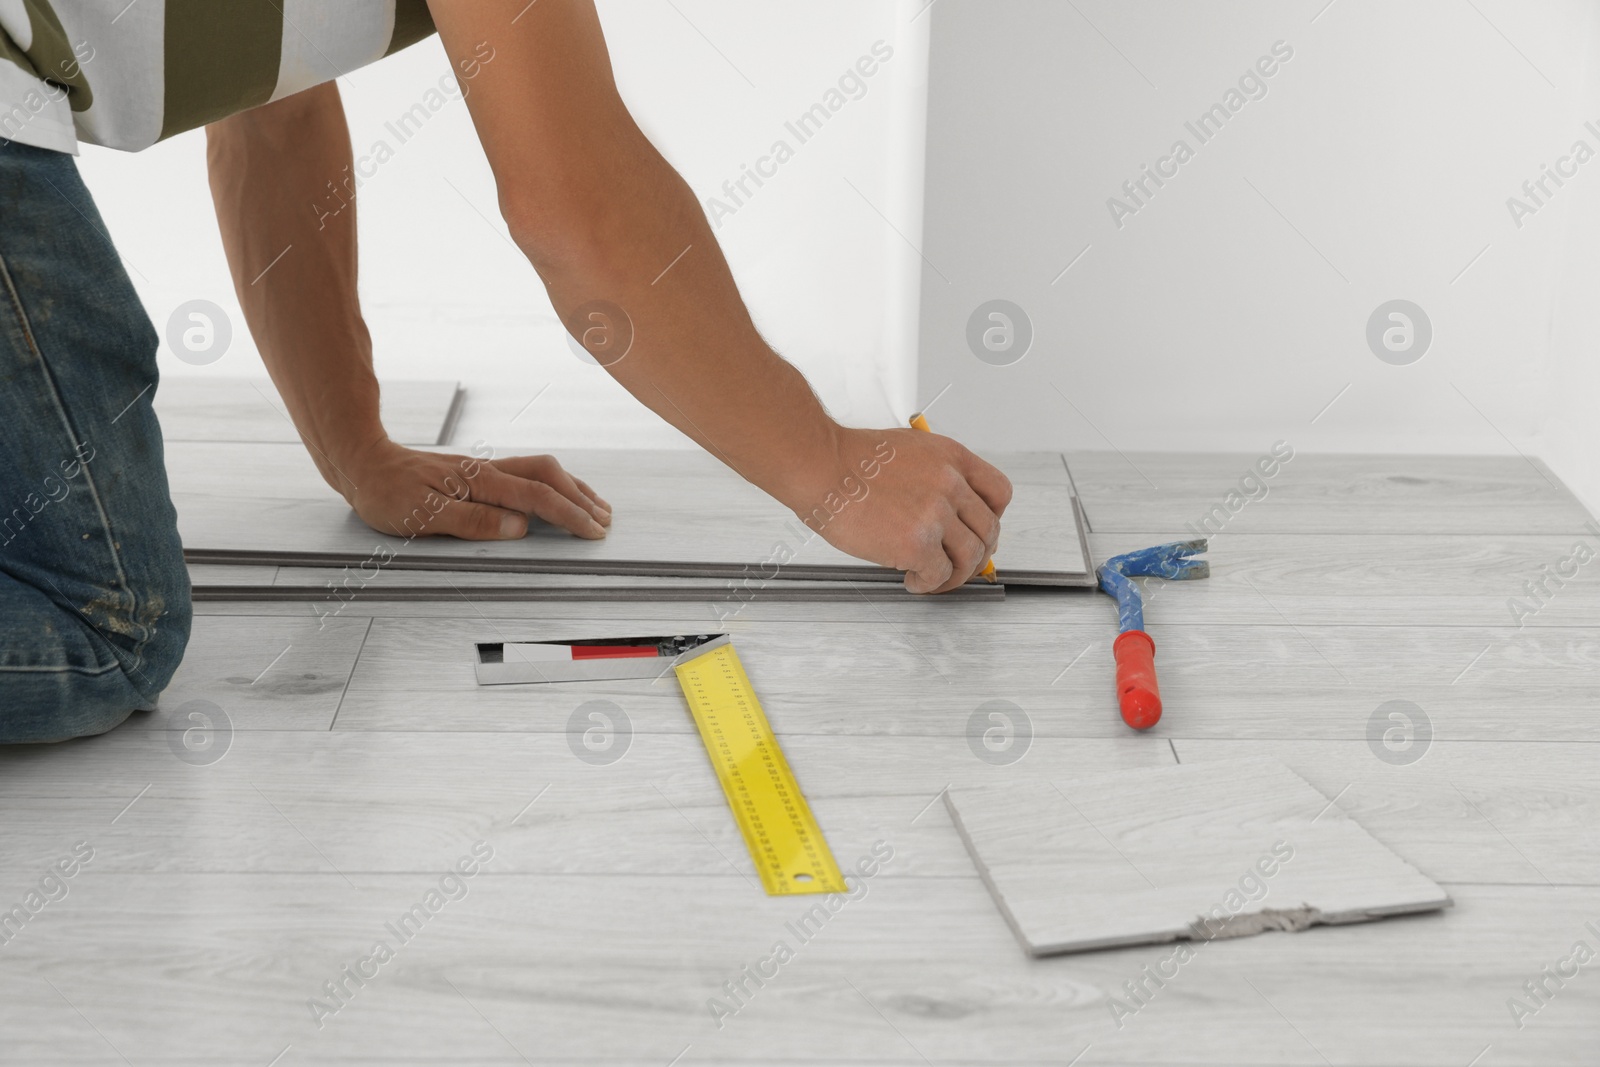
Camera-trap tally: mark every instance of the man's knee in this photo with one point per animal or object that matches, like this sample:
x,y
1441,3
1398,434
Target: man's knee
x,y
64,675
145,623
67,705
64,685
168,616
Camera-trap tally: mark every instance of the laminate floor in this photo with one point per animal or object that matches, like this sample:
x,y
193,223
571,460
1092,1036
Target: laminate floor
x,y
341,763
250,409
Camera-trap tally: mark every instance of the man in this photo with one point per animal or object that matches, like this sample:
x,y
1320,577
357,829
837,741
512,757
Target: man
x,y
94,596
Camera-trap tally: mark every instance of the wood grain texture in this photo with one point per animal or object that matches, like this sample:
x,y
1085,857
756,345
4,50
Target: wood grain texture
x,y
932,664
1196,852
263,673
1465,814
506,971
1220,681
403,801
1323,494
683,510
1396,579
1511,812
250,409
224,896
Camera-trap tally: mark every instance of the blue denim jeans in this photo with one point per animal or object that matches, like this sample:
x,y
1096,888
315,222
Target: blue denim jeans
x,y
94,596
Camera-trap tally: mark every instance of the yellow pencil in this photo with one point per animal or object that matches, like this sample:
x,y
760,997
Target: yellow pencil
x,y
919,422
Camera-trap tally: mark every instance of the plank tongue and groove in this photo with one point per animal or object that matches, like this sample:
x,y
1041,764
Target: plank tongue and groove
x,y
677,514
250,409
1191,852
313,584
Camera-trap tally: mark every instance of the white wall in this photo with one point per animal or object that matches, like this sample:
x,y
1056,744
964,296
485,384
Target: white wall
x,y
1572,419
1231,309
712,82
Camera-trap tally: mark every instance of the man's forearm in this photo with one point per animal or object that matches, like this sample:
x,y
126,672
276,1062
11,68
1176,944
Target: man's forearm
x,y
294,265
693,344
603,217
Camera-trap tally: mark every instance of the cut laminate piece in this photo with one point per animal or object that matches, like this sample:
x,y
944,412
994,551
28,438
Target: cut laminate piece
x,y
1192,852
676,514
250,409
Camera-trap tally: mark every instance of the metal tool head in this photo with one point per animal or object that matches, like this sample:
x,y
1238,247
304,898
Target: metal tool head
x,y
1172,561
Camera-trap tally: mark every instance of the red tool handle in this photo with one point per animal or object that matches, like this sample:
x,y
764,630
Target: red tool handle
x,y
1137,692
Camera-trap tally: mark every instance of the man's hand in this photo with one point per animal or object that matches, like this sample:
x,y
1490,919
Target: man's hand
x,y
914,501
401,491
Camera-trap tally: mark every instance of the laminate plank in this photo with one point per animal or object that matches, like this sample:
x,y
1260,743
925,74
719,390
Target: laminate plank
x,y
472,581
250,409
1291,713
310,802
966,647
1189,604
792,592
1470,812
1323,494
344,585
1462,811
1255,579
1217,681
1384,579
264,673
677,513
580,967
222,574
1396,566
928,674
1218,849
726,600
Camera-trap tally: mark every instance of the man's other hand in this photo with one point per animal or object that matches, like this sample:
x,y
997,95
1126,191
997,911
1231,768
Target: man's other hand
x,y
402,491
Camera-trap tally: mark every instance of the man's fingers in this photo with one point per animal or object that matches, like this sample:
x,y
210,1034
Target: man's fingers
x,y
984,524
596,497
929,576
478,522
966,553
495,486
989,482
953,548
931,567
546,469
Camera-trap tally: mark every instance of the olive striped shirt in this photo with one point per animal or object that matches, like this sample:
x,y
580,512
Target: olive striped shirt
x,y
128,73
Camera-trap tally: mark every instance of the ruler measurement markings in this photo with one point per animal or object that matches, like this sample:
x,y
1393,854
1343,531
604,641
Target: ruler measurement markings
x,y
791,825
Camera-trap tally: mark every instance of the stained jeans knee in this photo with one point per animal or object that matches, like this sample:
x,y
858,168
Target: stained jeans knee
x,y
60,678
94,595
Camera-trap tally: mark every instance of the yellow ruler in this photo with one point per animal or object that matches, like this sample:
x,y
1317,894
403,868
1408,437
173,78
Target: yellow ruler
x,y
784,839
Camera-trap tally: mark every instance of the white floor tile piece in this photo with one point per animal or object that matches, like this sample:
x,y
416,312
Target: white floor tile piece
x,y
1193,852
